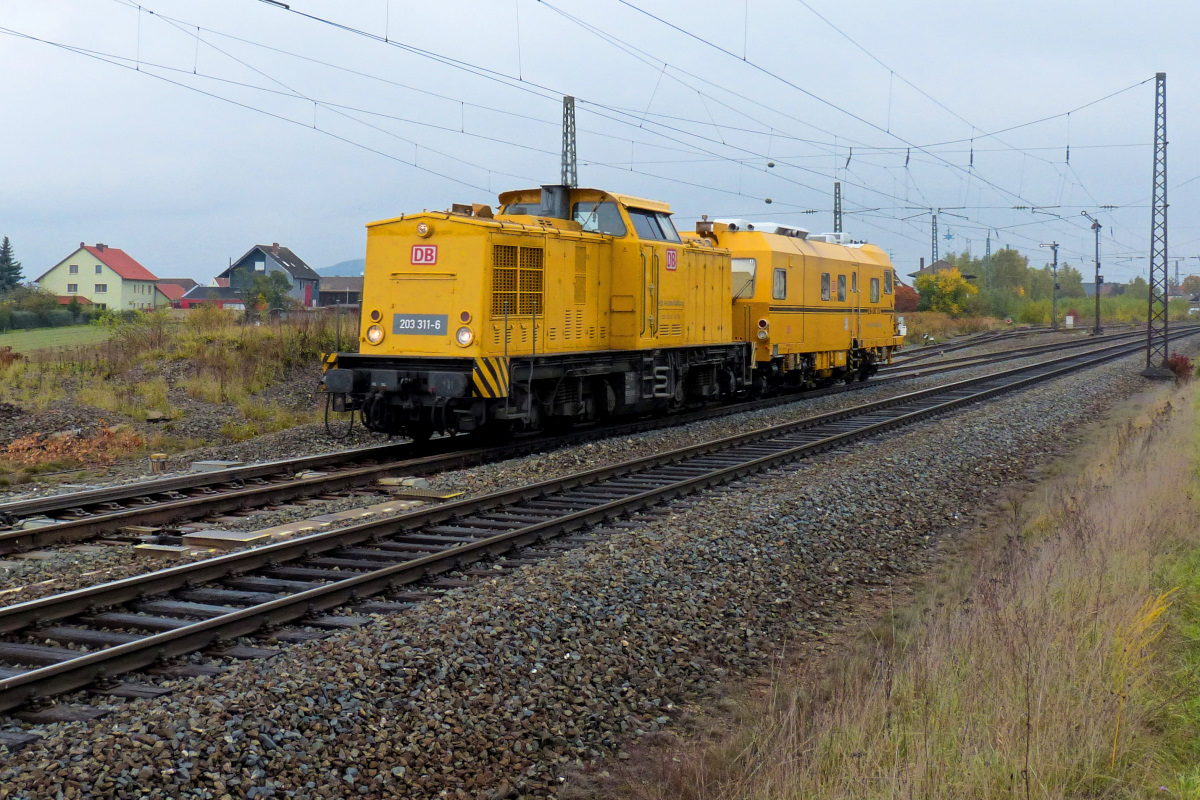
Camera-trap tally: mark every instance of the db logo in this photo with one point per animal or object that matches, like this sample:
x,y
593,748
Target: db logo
x,y
672,260
424,254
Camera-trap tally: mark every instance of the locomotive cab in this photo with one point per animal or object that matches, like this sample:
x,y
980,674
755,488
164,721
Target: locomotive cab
x,y
567,305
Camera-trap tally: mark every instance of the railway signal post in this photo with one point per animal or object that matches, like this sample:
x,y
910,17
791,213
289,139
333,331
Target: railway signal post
x,y
1096,330
1054,290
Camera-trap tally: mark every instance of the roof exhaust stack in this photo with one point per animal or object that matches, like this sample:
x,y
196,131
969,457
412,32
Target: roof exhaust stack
x,y
556,201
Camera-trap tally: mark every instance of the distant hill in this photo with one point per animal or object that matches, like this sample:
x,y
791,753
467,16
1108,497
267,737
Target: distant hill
x,y
346,269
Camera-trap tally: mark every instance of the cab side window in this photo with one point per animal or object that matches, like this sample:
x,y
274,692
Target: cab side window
x,y
779,286
874,290
824,285
887,281
841,288
652,225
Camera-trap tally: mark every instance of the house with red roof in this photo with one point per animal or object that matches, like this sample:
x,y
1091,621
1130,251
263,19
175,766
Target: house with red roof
x,y
172,294
106,276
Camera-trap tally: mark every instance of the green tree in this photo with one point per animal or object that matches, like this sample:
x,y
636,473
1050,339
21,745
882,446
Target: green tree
x,y
946,291
1191,285
75,308
10,268
274,287
1070,282
1138,288
1041,283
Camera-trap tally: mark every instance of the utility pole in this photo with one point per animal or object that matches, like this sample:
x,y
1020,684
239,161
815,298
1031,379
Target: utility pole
x,y
1157,346
935,241
987,254
1099,278
1054,291
570,166
837,206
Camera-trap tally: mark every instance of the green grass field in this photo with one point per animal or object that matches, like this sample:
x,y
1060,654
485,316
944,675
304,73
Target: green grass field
x,y
39,338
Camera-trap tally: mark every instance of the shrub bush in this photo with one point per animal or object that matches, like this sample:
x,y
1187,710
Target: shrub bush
x,y
1182,366
59,318
22,320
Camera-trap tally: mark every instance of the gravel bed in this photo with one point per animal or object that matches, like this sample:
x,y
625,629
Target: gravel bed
x,y
505,689
66,569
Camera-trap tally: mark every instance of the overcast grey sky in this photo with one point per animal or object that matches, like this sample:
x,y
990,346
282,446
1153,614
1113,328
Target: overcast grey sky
x,y
194,130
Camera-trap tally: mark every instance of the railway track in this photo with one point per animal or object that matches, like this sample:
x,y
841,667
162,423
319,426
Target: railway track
x,y
973,340
67,642
76,517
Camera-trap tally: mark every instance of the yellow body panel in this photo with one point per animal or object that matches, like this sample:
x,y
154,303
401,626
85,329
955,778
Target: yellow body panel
x,y
523,284
788,292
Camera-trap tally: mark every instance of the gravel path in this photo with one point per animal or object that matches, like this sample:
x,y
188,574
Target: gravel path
x,y
502,690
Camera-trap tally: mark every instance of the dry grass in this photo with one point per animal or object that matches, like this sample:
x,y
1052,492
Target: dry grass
x,y
227,362
943,326
1045,679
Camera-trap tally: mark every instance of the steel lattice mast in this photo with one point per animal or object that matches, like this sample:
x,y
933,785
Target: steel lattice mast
x,y
1156,320
837,206
570,167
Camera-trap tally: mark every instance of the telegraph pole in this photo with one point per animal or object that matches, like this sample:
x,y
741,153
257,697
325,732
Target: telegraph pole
x,y
1157,346
1099,278
837,206
570,167
1054,291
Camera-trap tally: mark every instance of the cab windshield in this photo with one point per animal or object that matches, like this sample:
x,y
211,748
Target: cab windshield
x,y
599,218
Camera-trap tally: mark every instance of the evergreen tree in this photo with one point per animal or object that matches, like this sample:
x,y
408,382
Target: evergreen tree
x,y
10,268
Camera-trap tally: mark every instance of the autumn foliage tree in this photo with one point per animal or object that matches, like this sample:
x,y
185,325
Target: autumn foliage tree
x,y
907,299
946,291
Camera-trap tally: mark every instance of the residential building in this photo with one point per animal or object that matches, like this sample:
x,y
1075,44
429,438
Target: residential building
x,y
172,294
220,296
264,259
183,283
107,276
340,291
941,265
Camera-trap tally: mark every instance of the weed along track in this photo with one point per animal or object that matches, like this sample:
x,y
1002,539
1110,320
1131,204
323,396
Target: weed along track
x,y
161,503
70,641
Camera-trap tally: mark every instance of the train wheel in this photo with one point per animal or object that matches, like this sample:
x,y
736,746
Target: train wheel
x,y
419,431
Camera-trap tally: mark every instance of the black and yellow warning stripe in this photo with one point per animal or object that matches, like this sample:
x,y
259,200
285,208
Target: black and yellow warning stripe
x,y
491,377
328,362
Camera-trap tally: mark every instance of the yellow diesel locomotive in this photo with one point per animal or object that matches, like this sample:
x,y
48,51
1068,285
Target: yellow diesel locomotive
x,y
579,304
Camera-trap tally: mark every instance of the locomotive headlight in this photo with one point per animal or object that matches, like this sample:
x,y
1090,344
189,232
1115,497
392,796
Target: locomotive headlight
x,y
374,334
424,229
464,336
762,334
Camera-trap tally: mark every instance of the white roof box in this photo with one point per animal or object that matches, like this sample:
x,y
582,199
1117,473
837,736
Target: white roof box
x,y
765,227
832,238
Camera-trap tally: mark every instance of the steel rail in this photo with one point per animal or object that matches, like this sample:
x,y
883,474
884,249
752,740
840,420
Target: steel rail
x,y
907,368
87,668
241,495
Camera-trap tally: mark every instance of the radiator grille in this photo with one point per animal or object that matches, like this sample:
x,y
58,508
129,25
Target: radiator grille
x,y
516,280
580,275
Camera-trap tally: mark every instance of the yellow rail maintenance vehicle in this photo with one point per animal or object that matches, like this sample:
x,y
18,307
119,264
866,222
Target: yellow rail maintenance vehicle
x,y
567,305
815,307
